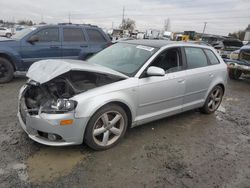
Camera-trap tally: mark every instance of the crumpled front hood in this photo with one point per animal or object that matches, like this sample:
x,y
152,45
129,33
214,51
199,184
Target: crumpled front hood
x,y
45,70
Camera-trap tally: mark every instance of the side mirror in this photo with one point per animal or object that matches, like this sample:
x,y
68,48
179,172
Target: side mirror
x,y
33,39
155,71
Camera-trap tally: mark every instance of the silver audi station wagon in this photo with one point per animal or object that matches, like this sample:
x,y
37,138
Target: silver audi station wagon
x,y
67,102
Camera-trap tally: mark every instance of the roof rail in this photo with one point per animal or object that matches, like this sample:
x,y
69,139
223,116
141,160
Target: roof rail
x,y
78,24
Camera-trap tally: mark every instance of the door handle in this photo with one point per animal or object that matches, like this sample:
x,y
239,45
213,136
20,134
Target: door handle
x,y
54,47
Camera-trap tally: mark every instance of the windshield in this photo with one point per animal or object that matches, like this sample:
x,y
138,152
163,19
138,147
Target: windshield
x,y
20,34
123,57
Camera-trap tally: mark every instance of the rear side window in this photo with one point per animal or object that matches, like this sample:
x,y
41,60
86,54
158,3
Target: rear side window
x,y
195,57
211,56
48,35
73,35
95,35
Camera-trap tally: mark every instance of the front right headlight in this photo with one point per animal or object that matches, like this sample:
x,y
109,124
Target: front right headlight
x,y
59,106
65,105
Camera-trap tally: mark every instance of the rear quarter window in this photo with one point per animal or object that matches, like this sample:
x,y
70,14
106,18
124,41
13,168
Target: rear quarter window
x,y
212,57
95,35
195,57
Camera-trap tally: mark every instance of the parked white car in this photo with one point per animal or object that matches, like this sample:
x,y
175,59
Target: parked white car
x,y
5,32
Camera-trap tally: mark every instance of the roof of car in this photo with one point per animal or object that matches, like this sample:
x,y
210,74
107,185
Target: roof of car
x,y
67,25
151,43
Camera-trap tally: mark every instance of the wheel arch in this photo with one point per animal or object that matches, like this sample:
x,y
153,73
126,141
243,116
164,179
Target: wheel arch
x,y
223,87
123,105
125,108
6,56
218,83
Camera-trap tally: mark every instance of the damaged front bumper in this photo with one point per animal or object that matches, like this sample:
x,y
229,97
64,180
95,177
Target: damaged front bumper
x,y
46,128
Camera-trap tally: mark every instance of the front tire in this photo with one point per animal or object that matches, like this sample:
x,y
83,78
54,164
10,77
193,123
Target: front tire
x,y
106,127
213,100
6,71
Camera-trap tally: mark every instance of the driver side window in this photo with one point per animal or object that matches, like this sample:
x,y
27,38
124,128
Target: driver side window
x,y
48,35
169,60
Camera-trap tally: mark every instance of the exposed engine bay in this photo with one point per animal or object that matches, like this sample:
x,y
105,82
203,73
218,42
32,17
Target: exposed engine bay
x,y
63,87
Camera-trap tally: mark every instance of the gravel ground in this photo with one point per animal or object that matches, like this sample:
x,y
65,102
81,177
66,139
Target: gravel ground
x,y
186,150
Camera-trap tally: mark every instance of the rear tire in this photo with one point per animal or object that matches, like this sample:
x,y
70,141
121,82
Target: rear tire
x,y
213,100
234,74
6,71
106,127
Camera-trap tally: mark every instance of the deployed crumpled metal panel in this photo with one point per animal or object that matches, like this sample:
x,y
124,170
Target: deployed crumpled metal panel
x,y
45,70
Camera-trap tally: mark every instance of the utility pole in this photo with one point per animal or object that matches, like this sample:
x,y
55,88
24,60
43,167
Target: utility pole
x,y
204,28
167,25
69,18
123,14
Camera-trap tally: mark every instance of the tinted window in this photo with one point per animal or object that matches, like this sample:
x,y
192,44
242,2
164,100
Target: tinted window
x,y
169,60
95,35
48,35
212,58
73,35
195,57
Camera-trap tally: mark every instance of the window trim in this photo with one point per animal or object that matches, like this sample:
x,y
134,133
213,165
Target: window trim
x,y
182,58
202,49
45,29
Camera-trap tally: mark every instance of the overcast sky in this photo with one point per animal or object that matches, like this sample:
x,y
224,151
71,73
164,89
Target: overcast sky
x,y
222,16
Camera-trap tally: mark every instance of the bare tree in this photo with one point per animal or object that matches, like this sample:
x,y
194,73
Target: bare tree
x,y
128,24
25,22
239,34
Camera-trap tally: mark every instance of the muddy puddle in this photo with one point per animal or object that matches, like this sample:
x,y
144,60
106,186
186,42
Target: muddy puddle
x,y
51,163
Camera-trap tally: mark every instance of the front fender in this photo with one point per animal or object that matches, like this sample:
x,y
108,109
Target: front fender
x,y
87,108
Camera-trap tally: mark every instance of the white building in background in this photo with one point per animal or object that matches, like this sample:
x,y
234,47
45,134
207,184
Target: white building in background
x,y
247,34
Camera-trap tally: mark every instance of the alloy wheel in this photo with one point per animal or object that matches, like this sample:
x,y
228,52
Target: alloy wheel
x,y
215,99
108,128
